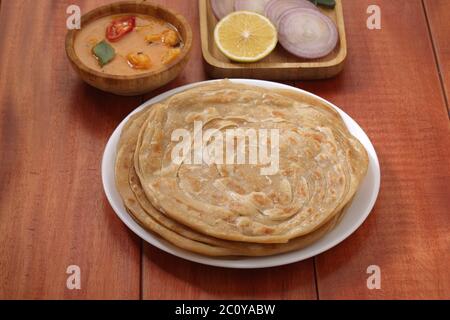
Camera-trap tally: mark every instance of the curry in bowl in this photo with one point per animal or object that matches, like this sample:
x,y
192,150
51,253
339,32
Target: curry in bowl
x,y
130,47
128,44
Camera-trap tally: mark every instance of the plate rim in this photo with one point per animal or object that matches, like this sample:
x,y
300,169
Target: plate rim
x,y
108,182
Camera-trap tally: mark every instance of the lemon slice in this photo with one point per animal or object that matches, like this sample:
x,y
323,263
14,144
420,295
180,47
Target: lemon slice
x,y
245,36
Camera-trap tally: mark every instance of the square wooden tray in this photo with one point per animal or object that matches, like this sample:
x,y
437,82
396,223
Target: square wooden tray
x,y
280,64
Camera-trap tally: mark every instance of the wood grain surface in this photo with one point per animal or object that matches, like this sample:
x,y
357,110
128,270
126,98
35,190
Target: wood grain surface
x,y
391,87
53,129
438,14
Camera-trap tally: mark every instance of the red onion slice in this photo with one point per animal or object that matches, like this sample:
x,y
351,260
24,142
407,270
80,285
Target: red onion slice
x,y
276,8
307,33
257,6
222,8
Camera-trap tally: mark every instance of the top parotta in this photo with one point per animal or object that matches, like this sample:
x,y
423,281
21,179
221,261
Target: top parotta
x,y
308,169
147,216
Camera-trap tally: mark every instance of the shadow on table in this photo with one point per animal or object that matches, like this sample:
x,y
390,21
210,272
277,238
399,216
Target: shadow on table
x,y
169,277
97,110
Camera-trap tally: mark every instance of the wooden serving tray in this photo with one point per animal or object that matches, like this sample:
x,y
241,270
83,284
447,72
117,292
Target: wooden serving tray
x,y
280,64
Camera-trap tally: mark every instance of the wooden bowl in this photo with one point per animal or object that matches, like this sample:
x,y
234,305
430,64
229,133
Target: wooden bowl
x,y
133,84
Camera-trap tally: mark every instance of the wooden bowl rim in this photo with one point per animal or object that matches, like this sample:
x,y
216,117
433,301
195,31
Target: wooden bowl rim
x,y
70,38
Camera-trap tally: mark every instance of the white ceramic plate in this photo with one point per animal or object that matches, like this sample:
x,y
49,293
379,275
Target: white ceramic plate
x,y
356,214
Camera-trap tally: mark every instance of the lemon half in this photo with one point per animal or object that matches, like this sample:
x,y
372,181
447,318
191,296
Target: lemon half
x,y
245,36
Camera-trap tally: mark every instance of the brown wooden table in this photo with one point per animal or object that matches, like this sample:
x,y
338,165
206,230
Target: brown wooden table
x,y
53,129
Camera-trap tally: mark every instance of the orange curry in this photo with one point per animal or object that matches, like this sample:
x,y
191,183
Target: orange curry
x,y
128,44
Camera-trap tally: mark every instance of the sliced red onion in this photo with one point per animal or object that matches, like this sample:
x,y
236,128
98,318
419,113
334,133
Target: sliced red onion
x,y
222,8
276,8
307,33
257,6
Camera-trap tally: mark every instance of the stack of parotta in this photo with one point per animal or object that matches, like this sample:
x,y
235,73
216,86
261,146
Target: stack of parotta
x,y
232,208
